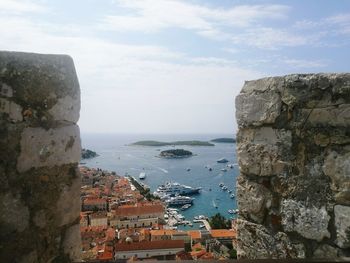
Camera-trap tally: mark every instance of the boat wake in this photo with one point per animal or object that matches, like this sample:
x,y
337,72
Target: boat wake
x,y
163,170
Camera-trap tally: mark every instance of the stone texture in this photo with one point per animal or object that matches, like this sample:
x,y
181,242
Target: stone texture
x,y
253,200
13,212
40,147
256,242
342,224
309,222
257,109
326,252
69,203
263,151
337,167
13,110
66,108
71,242
293,149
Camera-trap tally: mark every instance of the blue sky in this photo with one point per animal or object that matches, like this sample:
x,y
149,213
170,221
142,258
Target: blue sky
x,y
162,66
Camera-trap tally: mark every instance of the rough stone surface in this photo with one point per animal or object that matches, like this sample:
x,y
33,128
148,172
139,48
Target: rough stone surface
x,y
309,222
255,242
69,202
326,252
293,148
254,204
342,224
40,149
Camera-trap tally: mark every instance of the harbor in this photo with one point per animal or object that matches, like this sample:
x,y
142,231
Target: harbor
x,y
134,160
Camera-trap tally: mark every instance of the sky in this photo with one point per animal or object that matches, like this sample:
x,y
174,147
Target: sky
x,y
175,66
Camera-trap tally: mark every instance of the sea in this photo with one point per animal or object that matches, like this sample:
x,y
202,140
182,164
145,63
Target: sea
x,y
116,154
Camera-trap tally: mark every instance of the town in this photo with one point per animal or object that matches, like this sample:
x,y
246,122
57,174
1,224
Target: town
x,y
121,220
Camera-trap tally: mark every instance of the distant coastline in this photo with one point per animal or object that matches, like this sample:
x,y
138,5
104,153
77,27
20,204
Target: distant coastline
x,y
185,143
224,140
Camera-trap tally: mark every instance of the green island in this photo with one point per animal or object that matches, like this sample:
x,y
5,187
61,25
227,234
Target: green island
x,y
158,143
176,153
224,140
88,154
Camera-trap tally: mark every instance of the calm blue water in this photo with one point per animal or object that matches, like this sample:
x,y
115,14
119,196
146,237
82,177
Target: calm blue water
x,y
116,155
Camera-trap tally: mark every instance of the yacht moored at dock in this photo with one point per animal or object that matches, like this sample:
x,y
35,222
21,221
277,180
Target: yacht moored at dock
x,y
173,189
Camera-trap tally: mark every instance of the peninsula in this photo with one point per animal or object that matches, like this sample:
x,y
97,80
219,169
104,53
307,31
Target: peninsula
x,y
224,140
176,153
158,143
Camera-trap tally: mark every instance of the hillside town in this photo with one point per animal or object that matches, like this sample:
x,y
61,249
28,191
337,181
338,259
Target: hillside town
x,y
121,220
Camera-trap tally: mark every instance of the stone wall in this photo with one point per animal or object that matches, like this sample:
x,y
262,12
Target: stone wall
x,y
39,152
293,149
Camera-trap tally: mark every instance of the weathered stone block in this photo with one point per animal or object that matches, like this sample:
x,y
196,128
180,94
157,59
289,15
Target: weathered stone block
x,y
13,110
71,243
337,167
342,225
13,212
257,108
68,205
253,200
254,241
309,222
326,251
264,151
40,147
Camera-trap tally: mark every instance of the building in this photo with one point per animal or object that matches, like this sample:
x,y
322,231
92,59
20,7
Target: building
x,y
137,216
162,249
94,204
225,236
98,219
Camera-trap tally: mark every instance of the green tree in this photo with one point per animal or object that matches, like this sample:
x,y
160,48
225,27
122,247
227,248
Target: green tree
x,y
218,221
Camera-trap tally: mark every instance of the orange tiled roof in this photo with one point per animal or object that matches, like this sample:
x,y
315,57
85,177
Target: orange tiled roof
x,y
195,234
163,232
150,245
129,210
228,233
94,201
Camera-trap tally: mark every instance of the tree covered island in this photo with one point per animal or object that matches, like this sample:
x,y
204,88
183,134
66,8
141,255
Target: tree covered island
x,y
176,153
158,143
224,140
88,154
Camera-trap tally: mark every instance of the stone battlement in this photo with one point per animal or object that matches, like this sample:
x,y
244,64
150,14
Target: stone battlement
x,y
40,149
293,148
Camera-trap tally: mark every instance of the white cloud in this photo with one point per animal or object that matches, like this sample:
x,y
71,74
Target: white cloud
x,y
270,38
138,88
20,6
305,64
155,15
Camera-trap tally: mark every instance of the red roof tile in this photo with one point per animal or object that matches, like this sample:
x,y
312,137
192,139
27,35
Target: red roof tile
x,y
150,245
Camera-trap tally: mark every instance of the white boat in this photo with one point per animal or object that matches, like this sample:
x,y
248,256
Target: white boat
x,y
201,226
173,189
221,184
232,196
230,211
142,176
224,188
179,200
184,207
229,191
224,170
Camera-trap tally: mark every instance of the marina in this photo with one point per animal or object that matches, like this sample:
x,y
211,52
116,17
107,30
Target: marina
x,y
116,155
